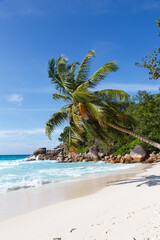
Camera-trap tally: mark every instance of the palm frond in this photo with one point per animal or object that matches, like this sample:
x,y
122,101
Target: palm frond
x,y
128,120
104,113
57,119
64,74
82,74
101,73
97,111
77,133
114,133
112,94
74,121
72,70
53,74
82,94
73,141
97,132
76,117
57,96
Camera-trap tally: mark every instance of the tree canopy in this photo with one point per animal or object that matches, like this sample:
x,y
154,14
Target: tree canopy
x,y
146,110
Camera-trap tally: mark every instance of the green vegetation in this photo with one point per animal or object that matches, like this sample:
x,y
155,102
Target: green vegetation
x,y
145,108
152,61
101,115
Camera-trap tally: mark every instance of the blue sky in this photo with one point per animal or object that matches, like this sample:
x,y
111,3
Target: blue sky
x,y
33,31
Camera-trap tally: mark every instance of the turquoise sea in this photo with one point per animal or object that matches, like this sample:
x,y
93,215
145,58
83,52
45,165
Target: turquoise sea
x,y
16,172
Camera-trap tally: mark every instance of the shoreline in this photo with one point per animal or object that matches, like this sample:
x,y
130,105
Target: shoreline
x,y
26,200
127,210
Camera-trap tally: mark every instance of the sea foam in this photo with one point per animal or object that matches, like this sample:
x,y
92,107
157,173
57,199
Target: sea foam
x,y
17,173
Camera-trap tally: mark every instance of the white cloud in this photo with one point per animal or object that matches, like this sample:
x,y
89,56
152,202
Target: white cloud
x,y
24,132
148,5
29,109
10,8
16,98
25,147
27,8
130,87
79,7
23,141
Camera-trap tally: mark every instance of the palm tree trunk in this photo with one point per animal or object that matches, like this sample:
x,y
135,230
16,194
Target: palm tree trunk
x,y
152,143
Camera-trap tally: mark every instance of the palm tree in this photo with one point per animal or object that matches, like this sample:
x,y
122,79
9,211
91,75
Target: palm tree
x,y
98,113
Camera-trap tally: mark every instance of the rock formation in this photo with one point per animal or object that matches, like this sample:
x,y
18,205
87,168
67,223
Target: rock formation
x,y
40,151
92,153
138,154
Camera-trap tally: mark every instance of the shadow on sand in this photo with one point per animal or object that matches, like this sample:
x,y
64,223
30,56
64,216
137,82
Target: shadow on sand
x,y
150,181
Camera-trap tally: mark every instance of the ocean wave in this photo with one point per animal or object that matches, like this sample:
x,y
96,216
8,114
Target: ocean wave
x,y
30,184
18,174
11,163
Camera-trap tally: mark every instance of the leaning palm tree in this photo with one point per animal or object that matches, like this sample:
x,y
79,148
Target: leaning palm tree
x,y
95,112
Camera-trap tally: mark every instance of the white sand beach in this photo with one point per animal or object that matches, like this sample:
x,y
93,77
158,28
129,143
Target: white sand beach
x,y
126,210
